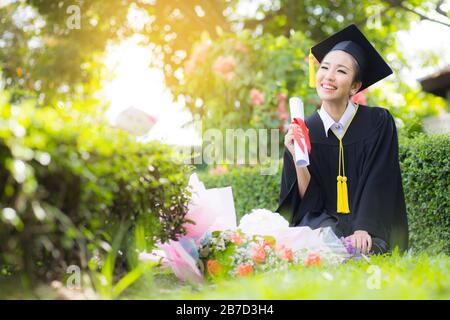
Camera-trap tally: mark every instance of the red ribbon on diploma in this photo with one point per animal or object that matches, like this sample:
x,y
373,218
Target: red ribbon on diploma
x,y
299,122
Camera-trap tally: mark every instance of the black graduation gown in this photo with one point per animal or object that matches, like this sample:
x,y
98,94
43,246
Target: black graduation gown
x,y
375,191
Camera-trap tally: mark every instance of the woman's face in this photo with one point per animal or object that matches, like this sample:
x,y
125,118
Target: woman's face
x,y
334,79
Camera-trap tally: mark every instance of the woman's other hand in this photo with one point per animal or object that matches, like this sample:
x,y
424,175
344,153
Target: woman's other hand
x,y
361,241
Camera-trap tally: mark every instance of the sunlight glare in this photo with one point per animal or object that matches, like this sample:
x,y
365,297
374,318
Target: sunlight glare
x,y
134,84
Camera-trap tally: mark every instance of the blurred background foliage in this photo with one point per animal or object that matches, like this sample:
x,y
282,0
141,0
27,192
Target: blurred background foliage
x,y
69,181
42,55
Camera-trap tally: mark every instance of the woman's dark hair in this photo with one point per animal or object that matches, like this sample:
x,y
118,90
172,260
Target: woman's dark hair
x,y
357,77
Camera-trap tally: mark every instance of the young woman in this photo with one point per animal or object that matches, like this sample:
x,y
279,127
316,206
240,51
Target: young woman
x,y
353,183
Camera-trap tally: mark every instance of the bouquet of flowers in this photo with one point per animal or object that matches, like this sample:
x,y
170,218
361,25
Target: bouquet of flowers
x,y
232,253
214,247
264,246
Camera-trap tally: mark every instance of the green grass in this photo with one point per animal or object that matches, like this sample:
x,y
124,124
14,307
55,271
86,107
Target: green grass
x,y
412,276
401,277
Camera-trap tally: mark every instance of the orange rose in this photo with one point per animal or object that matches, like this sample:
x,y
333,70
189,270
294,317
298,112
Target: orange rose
x,y
236,238
288,254
313,259
214,267
259,255
245,269
285,252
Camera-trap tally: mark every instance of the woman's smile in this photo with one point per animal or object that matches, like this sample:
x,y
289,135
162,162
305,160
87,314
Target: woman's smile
x,y
328,86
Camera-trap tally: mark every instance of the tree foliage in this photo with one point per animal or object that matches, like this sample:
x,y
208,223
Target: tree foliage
x,y
41,52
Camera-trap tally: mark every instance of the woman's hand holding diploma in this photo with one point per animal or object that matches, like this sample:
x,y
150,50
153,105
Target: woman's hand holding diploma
x,y
289,138
303,175
302,145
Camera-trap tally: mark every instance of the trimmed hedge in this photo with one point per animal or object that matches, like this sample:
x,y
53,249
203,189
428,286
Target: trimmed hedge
x,y
424,161
426,178
68,181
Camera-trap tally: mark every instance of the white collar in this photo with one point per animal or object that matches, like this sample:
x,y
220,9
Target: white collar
x,y
345,118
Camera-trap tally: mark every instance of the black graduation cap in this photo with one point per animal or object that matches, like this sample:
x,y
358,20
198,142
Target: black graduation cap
x,y
352,40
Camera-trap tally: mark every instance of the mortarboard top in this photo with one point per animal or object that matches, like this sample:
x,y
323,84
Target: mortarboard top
x,y
352,40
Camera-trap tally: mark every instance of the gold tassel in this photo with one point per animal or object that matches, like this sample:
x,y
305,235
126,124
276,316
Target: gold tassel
x,y
342,191
344,199
339,194
312,71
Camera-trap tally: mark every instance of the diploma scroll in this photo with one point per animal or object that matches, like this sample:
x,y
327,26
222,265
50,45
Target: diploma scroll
x,y
297,111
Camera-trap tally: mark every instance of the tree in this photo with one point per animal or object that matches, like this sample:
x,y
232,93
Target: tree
x,y
319,19
44,52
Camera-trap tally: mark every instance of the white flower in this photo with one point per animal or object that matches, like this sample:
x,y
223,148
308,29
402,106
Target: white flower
x,y
262,222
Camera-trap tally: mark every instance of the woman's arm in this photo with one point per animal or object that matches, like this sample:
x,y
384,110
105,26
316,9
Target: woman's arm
x,y
303,177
